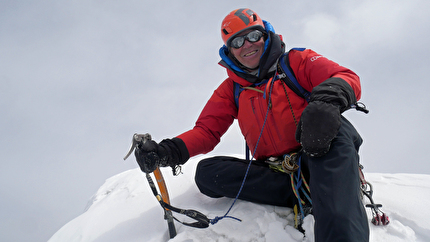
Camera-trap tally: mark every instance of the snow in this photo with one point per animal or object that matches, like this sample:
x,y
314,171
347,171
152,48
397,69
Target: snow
x,y
124,209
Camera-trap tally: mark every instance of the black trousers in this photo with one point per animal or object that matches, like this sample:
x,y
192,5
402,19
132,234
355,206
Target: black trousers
x,y
333,179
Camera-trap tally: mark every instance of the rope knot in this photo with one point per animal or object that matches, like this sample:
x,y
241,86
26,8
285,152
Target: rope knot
x,y
215,220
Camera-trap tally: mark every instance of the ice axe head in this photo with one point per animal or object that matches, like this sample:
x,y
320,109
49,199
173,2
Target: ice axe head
x,y
137,138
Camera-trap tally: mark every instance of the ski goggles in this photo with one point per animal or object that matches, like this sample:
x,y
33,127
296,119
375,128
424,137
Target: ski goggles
x,y
252,37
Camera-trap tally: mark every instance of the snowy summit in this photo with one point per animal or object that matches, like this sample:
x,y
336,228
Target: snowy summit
x,y
124,209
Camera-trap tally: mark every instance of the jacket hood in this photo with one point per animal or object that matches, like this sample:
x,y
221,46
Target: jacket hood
x,y
273,49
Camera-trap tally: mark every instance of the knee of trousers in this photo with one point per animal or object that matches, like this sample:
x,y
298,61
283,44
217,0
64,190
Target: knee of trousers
x,y
204,177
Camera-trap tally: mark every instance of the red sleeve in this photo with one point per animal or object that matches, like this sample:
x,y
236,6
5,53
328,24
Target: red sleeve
x,y
311,69
214,120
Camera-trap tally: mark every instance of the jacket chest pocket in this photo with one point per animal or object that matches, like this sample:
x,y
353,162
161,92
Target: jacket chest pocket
x,y
256,121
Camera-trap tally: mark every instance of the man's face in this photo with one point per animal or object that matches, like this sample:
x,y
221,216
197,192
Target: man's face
x,y
249,54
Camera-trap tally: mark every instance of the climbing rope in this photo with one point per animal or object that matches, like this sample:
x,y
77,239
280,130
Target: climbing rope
x,y
216,219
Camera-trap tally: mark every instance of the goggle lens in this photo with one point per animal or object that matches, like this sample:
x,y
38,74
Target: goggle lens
x,y
252,37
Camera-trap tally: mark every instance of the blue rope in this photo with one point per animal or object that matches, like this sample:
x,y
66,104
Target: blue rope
x,y
306,195
298,186
216,219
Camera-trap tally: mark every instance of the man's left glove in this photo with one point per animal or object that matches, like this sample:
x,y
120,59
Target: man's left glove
x,y
320,121
169,152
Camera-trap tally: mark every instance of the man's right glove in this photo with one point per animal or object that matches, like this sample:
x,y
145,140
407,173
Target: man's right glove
x,y
321,119
318,126
169,152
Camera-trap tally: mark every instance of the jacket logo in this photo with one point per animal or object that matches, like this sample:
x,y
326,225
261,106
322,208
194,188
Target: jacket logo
x,y
316,58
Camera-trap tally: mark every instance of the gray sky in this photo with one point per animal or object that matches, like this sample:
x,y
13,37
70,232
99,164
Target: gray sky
x,y
78,78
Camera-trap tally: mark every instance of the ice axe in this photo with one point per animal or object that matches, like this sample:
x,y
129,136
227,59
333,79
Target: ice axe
x,y
163,198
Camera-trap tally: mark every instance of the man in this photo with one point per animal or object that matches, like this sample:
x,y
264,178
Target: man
x,y
276,122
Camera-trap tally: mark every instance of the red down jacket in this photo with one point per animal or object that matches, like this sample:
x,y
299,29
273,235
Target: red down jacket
x,y
278,134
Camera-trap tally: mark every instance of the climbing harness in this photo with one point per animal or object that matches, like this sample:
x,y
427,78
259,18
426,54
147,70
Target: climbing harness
x,y
287,164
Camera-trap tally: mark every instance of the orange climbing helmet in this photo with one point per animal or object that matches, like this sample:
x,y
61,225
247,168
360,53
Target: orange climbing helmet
x,y
237,21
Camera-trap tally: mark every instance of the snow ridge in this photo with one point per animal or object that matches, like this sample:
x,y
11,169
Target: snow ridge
x,y
124,209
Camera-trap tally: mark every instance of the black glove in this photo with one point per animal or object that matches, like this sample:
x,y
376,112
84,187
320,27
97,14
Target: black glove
x,y
320,121
318,126
169,152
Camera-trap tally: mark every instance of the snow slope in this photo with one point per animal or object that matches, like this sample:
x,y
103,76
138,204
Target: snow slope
x,y
124,209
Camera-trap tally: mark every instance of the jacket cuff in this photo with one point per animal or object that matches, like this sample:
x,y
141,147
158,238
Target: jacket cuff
x,y
334,90
182,150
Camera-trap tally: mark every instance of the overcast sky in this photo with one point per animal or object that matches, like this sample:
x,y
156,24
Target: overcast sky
x,y
78,78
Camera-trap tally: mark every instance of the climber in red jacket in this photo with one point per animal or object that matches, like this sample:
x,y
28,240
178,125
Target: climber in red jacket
x,y
277,123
